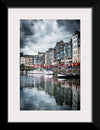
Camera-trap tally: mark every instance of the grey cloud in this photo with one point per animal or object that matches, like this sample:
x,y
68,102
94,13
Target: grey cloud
x,y
26,31
49,29
70,25
42,33
26,27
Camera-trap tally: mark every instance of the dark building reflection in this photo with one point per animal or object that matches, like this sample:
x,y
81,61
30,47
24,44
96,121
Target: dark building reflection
x,y
65,92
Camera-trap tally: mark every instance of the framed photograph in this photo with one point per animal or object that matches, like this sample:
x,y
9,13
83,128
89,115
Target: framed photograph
x,y
50,59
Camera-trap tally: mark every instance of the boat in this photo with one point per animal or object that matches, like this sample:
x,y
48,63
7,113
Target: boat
x,y
35,72
48,71
61,75
48,76
67,76
29,72
61,79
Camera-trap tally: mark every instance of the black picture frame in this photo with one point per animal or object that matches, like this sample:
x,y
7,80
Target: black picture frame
x,y
95,5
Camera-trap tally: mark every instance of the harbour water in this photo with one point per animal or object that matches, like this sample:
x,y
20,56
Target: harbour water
x,y
47,92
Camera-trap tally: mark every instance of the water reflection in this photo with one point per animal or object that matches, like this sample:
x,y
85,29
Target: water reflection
x,y
47,92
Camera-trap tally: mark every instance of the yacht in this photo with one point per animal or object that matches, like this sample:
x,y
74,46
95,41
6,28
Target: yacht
x,y
48,71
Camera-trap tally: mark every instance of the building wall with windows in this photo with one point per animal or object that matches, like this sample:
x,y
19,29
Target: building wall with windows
x,y
36,60
68,53
59,51
22,60
28,60
79,54
41,56
46,58
75,50
69,49
55,56
65,50
43,59
50,56
62,53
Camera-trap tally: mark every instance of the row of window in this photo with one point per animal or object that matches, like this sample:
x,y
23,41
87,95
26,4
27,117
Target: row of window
x,y
75,52
75,37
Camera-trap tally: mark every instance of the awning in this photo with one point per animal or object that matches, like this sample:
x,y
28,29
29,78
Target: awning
x,y
61,64
42,65
65,65
75,64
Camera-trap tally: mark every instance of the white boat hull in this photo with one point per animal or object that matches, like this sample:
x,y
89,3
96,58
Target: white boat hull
x,y
61,75
35,72
48,72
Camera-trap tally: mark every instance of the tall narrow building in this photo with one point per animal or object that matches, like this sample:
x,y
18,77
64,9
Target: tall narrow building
x,y
76,47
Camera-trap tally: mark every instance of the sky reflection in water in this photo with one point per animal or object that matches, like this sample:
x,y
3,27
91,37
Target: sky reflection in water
x,y
46,92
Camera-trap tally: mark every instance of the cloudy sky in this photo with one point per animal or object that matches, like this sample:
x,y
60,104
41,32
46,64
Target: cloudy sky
x,y
39,35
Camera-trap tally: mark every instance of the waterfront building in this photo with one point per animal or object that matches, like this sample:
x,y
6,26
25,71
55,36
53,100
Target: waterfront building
x,y
22,60
33,59
59,52
36,60
62,53
50,56
46,58
21,54
58,57
79,53
43,59
55,56
69,50
65,51
68,53
39,59
41,56
76,47
28,60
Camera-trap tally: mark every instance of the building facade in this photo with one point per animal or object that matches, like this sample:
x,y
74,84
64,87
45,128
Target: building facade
x,y
79,54
22,60
68,53
36,60
58,51
41,56
62,53
28,60
65,50
69,49
76,47
46,58
50,56
55,56
69,58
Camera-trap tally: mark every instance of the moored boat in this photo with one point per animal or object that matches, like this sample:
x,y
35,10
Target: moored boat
x,y
61,75
48,72
67,76
35,72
